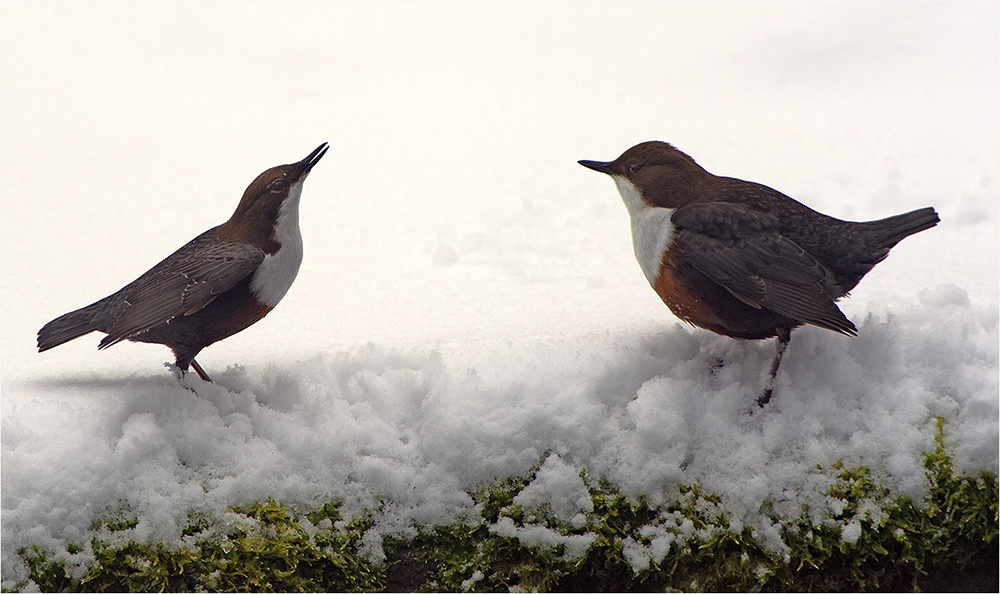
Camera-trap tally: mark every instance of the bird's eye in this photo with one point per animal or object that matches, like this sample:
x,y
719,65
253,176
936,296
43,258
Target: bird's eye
x,y
278,185
634,166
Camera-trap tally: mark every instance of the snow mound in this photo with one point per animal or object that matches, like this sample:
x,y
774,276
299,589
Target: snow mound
x,y
411,433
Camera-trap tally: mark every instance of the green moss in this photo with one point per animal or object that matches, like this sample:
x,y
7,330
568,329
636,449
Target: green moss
x,y
49,575
275,554
141,568
946,542
268,550
899,546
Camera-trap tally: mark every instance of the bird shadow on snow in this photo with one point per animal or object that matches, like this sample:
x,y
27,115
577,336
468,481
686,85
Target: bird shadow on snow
x,y
233,379
79,381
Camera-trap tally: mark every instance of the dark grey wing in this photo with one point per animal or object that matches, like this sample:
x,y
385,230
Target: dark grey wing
x,y
182,284
743,252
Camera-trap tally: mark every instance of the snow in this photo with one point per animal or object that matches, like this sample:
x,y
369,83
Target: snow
x,y
557,489
469,307
534,536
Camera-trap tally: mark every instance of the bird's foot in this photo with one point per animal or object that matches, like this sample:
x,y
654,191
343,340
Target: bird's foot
x,y
182,376
784,335
765,396
200,371
174,369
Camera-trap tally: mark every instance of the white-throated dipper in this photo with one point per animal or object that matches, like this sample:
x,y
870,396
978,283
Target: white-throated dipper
x,y
739,258
218,284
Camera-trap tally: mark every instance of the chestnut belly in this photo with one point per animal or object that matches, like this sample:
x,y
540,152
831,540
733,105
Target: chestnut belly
x,y
699,301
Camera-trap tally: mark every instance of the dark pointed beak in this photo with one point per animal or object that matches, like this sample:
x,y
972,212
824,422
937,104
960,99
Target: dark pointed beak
x,y
304,166
603,167
313,158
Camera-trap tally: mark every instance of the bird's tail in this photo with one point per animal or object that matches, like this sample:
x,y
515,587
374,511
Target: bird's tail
x,y
895,229
67,327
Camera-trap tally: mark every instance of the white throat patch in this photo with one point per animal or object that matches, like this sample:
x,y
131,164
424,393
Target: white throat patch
x,y
652,230
276,273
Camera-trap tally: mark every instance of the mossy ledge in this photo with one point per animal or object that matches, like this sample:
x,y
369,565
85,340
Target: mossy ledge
x,y
947,542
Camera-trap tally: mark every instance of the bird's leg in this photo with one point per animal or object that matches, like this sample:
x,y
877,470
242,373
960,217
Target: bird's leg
x,y
784,335
201,372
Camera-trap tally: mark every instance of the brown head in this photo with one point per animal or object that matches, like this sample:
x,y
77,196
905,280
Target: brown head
x,y
256,216
662,175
